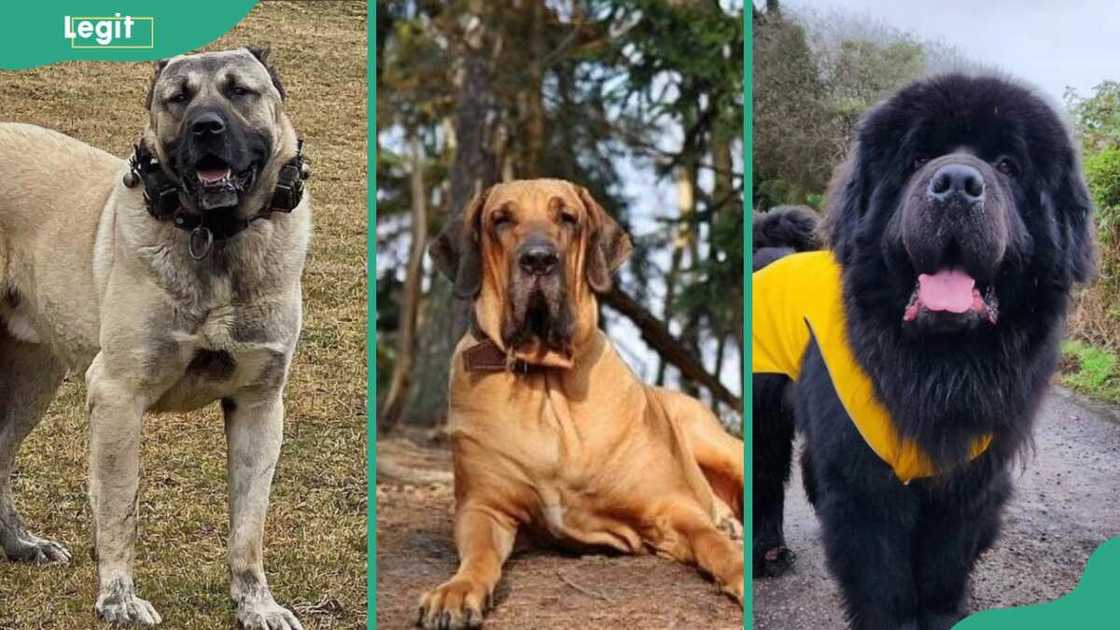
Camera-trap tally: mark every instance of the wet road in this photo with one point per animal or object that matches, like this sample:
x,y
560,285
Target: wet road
x,y
1067,503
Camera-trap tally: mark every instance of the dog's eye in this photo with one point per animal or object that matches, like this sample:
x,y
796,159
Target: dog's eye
x,y
502,219
1007,166
569,218
240,90
179,97
920,161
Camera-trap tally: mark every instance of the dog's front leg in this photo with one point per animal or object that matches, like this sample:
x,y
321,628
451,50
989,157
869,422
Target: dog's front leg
x,y
710,547
484,538
254,431
116,410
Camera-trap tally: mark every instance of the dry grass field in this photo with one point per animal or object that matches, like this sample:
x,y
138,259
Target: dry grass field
x,y
315,548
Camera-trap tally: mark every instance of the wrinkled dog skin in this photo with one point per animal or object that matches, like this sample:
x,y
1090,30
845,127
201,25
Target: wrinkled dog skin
x,y
92,283
573,447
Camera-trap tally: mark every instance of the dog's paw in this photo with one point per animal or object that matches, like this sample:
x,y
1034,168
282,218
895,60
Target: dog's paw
x,y
455,604
773,562
119,605
732,527
735,590
266,614
29,548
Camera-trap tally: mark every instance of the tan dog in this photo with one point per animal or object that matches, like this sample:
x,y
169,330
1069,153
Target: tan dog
x,y
552,432
171,284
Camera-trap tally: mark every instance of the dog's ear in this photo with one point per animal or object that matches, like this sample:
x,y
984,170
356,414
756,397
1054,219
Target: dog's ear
x,y
1075,214
262,56
847,201
608,244
457,251
157,69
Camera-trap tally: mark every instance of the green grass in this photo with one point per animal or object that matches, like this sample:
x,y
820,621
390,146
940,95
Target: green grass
x,y
1090,370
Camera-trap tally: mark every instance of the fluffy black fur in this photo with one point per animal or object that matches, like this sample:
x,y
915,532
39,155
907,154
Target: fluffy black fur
x,y
903,553
781,231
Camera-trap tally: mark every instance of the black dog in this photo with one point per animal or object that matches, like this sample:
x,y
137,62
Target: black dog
x,y
960,222
780,232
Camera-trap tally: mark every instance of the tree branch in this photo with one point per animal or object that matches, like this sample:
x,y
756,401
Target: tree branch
x,y
657,335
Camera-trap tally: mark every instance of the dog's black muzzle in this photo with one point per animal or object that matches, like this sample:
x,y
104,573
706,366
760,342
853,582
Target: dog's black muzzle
x,y
217,158
956,216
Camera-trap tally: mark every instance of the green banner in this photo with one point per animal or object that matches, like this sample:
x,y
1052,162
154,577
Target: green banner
x,y
1091,606
40,33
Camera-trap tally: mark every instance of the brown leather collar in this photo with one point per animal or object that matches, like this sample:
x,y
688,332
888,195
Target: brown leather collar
x,y
486,356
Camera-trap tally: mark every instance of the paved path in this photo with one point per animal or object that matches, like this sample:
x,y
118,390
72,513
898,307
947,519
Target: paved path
x,y
1067,503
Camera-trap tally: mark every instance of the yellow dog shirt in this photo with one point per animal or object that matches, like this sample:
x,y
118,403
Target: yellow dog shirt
x,y
799,296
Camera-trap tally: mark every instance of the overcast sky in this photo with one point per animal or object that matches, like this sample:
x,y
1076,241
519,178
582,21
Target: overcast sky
x,y
1052,44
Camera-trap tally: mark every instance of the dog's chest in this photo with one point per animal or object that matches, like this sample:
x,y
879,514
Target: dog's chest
x,y
230,347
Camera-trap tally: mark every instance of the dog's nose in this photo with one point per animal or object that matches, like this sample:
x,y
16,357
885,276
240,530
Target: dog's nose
x,y
957,180
539,260
208,123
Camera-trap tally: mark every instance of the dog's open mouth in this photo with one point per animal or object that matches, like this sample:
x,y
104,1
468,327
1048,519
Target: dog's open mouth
x,y
217,185
950,298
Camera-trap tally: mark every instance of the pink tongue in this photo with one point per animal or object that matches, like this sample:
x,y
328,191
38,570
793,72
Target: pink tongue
x,y
212,176
947,290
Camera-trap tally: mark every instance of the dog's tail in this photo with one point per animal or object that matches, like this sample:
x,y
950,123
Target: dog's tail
x,y
782,231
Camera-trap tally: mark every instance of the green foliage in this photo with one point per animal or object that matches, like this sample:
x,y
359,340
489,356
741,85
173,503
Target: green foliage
x,y
813,81
1092,370
1096,120
1102,174
1097,117
593,92
794,127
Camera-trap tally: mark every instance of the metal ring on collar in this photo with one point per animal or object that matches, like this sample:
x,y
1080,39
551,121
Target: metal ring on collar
x,y
206,245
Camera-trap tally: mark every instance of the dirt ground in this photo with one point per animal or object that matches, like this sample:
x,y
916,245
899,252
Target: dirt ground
x,y
1064,508
539,588
315,544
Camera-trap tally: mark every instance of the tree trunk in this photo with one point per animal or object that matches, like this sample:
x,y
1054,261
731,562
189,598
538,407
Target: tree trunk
x,y
725,200
534,94
690,331
685,200
410,298
445,318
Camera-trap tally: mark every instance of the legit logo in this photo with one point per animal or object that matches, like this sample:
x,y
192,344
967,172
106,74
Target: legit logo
x,y
110,32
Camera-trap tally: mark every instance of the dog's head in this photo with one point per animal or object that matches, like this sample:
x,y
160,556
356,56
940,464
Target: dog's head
x,y
218,127
532,255
961,207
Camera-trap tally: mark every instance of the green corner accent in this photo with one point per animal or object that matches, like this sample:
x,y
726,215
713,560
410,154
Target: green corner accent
x,y
371,323
1092,605
37,33
748,195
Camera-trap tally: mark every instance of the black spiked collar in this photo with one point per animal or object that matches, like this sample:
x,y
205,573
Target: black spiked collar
x,y
161,197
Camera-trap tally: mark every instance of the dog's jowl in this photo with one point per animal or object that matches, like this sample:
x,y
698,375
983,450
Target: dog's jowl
x,y
552,433
172,281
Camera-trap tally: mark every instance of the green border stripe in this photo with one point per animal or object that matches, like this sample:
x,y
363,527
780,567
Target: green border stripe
x,y
371,320
748,195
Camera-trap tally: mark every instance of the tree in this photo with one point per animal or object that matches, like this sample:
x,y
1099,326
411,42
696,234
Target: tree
x,y
794,128
816,74
585,91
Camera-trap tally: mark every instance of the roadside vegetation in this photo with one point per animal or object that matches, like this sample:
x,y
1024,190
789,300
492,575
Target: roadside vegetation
x,y
817,72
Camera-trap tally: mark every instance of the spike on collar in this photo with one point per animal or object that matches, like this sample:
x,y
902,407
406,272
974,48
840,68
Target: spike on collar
x,y
161,198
